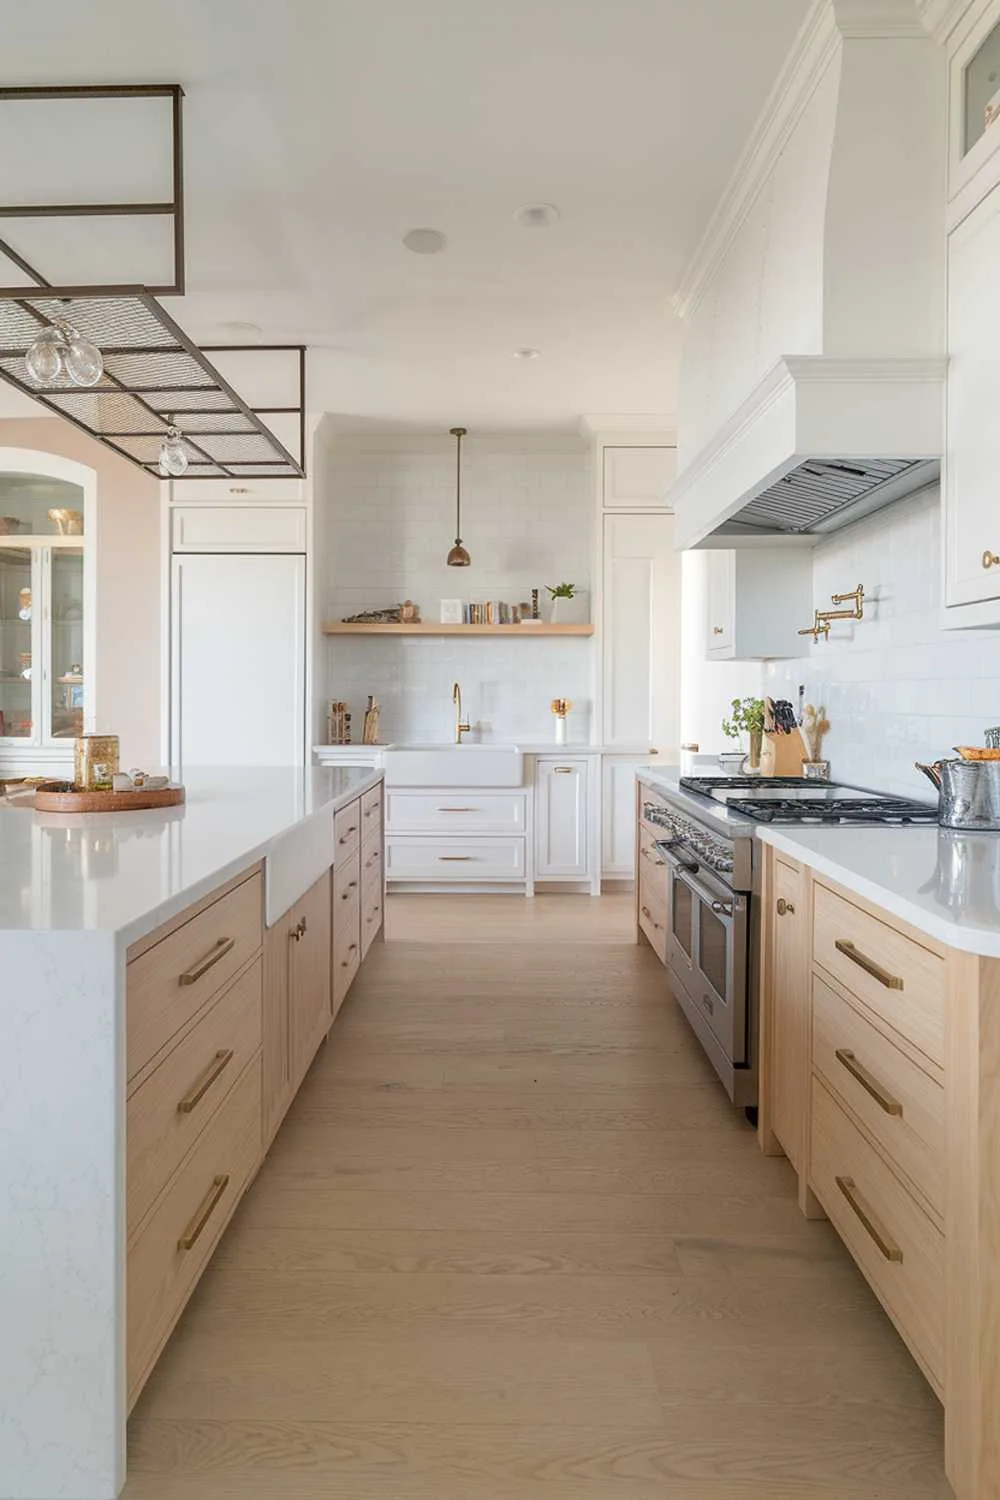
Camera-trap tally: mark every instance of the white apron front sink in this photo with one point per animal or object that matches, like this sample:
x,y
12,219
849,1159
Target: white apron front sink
x,y
453,765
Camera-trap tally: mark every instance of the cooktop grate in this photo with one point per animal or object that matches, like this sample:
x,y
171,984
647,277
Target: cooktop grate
x,y
843,810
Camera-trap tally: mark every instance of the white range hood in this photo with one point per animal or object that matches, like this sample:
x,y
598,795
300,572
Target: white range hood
x,y
820,442
813,368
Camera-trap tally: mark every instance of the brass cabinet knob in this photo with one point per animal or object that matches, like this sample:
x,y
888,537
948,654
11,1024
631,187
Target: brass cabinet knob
x,y
990,560
785,907
717,630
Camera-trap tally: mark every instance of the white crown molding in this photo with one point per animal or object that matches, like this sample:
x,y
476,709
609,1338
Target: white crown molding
x,y
812,52
816,367
941,17
828,25
652,427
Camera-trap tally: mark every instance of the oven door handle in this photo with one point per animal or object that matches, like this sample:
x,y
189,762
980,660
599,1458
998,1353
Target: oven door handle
x,y
726,910
669,847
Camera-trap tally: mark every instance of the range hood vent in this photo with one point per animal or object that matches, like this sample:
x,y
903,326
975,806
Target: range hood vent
x,y
808,497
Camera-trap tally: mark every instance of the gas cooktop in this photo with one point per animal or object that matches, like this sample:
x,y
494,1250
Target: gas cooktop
x,y
796,799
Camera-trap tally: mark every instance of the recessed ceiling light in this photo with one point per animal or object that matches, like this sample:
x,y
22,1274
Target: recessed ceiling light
x,y
527,353
424,241
536,215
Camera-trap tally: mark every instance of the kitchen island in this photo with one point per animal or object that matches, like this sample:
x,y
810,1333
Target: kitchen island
x,y
128,941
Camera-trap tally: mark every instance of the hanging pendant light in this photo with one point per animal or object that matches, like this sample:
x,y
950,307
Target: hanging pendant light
x,y
173,459
458,557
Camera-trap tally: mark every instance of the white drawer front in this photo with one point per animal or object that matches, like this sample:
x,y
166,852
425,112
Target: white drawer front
x,y
449,859
464,811
238,528
236,491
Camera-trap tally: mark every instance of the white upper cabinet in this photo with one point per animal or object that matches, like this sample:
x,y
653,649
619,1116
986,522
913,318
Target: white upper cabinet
x,y
973,108
972,457
641,633
238,528
638,478
759,598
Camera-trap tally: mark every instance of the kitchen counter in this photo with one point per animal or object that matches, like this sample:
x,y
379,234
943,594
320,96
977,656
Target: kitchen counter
x,y
713,814
126,873
942,882
75,892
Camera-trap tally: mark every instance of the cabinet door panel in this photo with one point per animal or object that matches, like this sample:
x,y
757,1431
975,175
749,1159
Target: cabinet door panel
x,y
972,463
721,603
561,819
618,805
311,1011
641,609
638,478
276,1088
788,1022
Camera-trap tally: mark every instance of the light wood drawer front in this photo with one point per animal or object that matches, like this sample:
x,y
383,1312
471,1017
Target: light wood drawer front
x,y
347,831
170,982
166,1259
170,1108
652,868
897,1246
891,974
653,914
464,811
346,947
447,860
371,812
347,883
371,913
373,860
901,1105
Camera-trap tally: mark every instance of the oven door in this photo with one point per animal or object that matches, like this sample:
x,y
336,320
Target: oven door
x,y
707,948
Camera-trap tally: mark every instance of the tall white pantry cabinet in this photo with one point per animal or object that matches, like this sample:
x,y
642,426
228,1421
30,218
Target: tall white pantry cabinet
x,y
639,630
238,626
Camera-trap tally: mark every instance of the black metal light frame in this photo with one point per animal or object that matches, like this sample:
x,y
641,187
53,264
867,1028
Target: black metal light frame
x,y
154,376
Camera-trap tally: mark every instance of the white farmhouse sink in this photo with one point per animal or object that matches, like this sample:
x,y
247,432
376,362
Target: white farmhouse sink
x,y
453,765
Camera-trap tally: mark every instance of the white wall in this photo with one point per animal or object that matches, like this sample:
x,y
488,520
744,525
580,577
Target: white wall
x,y
897,688
389,520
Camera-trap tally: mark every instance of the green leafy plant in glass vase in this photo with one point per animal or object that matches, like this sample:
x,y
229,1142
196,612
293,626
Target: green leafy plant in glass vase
x,y
746,717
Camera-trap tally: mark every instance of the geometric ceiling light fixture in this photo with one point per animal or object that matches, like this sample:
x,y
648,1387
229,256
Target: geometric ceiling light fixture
x,y
107,356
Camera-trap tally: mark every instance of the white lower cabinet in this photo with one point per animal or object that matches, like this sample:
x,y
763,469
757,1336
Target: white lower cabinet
x,y
563,819
466,858
618,816
453,836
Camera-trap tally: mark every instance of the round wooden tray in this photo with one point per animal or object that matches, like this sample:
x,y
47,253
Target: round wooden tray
x,y
48,799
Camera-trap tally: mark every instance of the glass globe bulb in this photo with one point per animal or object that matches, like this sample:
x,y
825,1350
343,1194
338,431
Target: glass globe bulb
x,y
173,460
45,357
82,359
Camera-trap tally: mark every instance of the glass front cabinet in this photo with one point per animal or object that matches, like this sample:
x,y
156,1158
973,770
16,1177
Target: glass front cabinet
x,y
44,641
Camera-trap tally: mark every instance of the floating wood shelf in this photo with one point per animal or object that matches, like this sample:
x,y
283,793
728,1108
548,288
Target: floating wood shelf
x,y
339,628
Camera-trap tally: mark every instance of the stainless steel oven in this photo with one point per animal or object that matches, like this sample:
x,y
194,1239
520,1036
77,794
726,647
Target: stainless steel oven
x,y
708,947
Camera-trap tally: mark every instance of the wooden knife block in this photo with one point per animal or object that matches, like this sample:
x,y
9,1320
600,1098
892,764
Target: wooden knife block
x,y
781,755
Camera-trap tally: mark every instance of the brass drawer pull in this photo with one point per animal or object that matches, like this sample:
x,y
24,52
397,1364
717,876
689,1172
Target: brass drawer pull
x,y
196,971
458,809
375,807
453,858
891,981
882,1098
299,931
647,913
785,907
193,1232
887,1246
345,963
563,770
345,836
217,1066
352,885
990,560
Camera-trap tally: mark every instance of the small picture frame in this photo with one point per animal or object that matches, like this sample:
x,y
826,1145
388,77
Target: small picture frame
x,y
451,612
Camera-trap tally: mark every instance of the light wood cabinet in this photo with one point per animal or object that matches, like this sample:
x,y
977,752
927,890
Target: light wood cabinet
x,y
785,1024
758,600
638,477
297,1004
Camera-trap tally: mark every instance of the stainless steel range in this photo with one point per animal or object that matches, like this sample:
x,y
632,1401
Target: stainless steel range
x,y
713,885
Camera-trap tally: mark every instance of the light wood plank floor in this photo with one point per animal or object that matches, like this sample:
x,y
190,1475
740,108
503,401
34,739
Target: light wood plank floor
x,y
513,1243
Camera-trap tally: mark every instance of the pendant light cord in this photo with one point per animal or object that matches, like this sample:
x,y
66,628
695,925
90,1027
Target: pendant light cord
x,y
458,434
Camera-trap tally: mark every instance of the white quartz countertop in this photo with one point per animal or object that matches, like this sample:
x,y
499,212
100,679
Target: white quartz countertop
x,y
125,873
943,882
534,747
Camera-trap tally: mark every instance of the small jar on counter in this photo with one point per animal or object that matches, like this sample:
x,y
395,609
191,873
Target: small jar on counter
x,y
689,761
95,762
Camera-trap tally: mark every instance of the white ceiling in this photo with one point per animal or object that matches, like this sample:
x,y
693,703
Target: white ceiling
x,y
318,132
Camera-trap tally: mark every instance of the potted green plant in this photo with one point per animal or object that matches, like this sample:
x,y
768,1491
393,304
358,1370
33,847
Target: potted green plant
x,y
569,604
746,717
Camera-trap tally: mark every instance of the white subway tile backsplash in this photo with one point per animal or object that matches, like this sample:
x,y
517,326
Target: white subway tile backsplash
x,y
527,519
896,686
